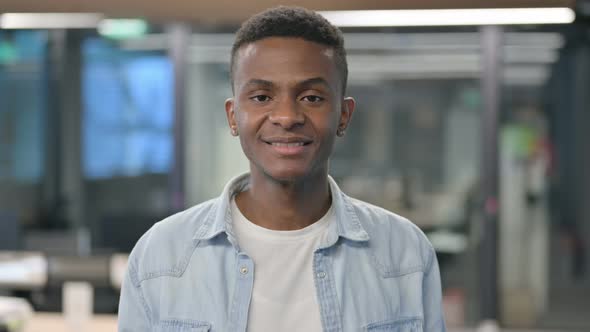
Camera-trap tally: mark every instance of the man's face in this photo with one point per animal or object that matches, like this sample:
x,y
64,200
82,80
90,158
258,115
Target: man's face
x,y
287,106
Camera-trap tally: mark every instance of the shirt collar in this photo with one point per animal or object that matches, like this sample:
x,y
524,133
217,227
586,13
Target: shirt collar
x,y
219,219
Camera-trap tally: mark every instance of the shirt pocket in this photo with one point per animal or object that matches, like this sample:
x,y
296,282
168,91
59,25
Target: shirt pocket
x,y
396,325
177,325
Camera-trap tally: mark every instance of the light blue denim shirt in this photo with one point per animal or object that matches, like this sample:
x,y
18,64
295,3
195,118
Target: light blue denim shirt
x,y
375,272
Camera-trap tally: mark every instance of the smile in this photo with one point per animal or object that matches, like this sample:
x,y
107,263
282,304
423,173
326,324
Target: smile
x,y
288,144
287,141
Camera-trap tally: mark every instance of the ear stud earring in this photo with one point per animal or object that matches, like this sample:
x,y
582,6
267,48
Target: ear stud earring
x,y
234,131
340,132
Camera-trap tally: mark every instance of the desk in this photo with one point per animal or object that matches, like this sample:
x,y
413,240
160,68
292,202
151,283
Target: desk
x,y
54,322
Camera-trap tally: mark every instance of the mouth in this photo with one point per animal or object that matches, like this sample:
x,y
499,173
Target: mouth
x,y
289,146
291,141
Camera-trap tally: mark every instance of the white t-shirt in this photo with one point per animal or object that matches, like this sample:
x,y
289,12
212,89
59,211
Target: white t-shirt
x,y
284,296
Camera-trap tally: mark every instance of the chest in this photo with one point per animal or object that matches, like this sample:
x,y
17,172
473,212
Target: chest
x,y
351,292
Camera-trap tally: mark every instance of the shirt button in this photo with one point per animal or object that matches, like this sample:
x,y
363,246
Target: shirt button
x,y
244,270
321,274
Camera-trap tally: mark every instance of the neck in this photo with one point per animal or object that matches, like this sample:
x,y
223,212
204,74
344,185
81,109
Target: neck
x,y
285,205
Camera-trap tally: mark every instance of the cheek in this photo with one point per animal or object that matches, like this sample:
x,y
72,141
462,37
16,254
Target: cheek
x,y
250,120
247,127
327,135
242,118
327,125
247,147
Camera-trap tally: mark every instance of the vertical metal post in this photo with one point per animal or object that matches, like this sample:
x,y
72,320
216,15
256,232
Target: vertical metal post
x,y
72,179
582,137
490,85
53,73
63,187
179,39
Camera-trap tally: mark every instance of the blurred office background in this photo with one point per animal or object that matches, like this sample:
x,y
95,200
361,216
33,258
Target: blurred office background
x,y
112,119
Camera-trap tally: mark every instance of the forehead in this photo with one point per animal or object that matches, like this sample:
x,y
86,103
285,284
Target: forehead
x,y
274,44
280,58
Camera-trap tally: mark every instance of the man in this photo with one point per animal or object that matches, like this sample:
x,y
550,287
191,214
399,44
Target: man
x,y
283,249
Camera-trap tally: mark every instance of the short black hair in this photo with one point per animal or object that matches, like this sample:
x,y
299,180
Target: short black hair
x,y
295,22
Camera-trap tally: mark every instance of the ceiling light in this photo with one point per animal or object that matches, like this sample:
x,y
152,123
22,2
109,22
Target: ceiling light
x,y
122,28
449,17
49,20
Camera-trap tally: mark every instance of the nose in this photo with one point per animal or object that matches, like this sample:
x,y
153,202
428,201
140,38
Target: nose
x,y
287,115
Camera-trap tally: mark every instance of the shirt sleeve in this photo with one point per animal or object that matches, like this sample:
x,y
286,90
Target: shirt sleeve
x,y
133,309
432,297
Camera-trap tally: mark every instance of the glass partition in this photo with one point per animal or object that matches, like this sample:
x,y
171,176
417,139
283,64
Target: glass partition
x,y
23,105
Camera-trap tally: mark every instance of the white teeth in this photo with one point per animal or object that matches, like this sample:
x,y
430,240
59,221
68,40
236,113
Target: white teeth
x,y
288,144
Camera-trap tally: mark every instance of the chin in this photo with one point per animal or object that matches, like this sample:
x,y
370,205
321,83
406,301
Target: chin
x,y
287,175
283,171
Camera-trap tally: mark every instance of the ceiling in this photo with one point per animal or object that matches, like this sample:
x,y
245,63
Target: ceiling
x,y
235,11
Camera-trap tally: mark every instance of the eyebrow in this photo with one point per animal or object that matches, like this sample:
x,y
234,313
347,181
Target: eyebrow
x,y
315,80
307,82
258,81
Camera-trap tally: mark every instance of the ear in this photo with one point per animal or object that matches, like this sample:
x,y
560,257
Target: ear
x,y
231,115
348,106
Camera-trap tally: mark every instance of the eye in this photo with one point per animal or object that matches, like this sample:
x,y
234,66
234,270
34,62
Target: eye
x,y
261,98
313,99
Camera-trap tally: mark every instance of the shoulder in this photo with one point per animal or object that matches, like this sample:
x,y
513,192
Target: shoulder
x,y
164,250
398,245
